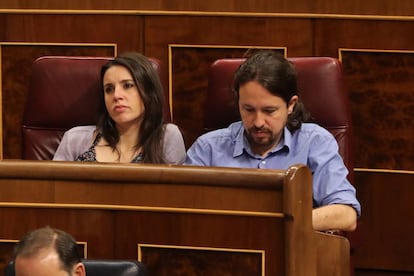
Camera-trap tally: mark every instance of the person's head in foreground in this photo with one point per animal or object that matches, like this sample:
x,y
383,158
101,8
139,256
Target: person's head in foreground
x,y
47,251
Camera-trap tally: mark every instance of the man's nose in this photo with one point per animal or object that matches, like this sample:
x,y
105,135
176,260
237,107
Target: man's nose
x,y
259,120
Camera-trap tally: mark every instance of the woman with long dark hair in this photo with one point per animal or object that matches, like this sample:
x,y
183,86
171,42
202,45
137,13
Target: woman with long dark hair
x,y
131,126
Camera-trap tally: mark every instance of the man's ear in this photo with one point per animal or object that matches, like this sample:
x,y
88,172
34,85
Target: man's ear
x,y
79,270
292,103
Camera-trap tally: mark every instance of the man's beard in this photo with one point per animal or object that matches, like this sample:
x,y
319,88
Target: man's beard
x,y
260,137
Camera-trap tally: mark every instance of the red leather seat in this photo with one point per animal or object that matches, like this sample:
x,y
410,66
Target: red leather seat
x,y
321,89
63,93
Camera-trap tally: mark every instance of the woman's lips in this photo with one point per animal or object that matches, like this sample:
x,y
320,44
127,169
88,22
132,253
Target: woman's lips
x,y
120,108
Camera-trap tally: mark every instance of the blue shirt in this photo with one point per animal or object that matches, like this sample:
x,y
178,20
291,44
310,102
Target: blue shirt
x,y
311,145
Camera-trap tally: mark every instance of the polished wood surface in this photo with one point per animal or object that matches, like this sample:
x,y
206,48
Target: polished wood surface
x,y
350,7
116,209
386,197
334,245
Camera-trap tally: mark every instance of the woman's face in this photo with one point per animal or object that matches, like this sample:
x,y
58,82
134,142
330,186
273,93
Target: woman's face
x,y
122,98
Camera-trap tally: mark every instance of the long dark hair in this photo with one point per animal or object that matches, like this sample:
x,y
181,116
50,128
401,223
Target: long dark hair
x,y
278,76
149,86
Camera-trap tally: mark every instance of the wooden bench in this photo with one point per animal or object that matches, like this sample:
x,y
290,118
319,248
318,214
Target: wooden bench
x,y
196,220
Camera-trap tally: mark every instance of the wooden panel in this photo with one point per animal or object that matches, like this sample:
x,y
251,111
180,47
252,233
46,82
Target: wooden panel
x,y
6,252
220,261
294,34
334,245
114,227
381,7
375,272
16,60
379,77
382,103
3,29
205,231
80,223
227,198
384,237
124,31
331,35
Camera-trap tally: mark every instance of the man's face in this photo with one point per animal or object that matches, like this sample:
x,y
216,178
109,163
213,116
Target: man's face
x,y
264,116
45,263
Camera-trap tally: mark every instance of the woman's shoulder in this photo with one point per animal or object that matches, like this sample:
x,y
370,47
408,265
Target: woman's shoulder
x,y
81,129
80,133
171,129
74,142
174,148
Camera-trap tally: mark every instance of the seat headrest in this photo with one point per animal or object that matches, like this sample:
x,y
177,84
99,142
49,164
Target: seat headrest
x,y
103,268
114,268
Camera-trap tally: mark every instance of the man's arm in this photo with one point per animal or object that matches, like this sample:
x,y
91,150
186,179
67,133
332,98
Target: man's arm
x,y
334,217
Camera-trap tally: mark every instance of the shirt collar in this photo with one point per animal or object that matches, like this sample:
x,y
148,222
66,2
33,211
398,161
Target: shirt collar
x,y
239,141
